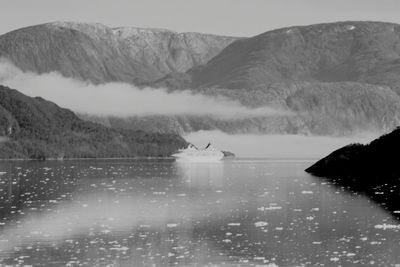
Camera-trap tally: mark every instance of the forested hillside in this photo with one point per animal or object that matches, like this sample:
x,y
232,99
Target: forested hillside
x,y
40,129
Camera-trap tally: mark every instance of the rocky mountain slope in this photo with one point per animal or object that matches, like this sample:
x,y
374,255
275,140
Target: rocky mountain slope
x,y
36,128
366,52
99,54
346,72
334,78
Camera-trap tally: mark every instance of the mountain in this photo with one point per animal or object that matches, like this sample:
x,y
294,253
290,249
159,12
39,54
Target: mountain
x,y
36,128
99,54
337,77
333,79
366,52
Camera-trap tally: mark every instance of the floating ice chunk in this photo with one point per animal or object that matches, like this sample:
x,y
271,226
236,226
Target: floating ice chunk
x,y
306,192
233,224
119,248
270,208
172,225
350,27
387,226
260,224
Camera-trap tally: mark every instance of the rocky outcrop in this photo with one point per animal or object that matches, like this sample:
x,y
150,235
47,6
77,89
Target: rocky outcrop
x,y
370,169
376,161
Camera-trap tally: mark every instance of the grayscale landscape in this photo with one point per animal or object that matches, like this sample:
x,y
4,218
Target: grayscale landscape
x,y
237,133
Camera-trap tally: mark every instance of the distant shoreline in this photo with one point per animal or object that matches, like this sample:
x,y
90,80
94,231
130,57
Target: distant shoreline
x,y
236,159
66,159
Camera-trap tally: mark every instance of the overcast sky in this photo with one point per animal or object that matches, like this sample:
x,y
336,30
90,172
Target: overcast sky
x,y
228,17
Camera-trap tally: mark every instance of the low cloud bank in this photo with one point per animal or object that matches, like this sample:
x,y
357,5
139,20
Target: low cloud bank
x,y
276,146
121,99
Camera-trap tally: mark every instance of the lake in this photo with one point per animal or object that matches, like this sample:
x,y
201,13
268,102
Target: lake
x,y
242,212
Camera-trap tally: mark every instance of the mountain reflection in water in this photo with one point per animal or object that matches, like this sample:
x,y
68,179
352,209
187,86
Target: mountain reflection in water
x,y
165,213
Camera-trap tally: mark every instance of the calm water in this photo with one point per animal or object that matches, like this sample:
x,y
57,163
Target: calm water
x,y
163,213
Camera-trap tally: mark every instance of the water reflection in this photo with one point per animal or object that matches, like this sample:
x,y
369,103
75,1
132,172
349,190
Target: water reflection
x,y
144,213
384,192
202,175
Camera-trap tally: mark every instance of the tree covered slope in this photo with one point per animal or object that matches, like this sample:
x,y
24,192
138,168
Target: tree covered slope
x,y
37,128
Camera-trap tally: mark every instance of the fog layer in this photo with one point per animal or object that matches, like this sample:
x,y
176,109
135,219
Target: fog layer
x,y
276,146
120,99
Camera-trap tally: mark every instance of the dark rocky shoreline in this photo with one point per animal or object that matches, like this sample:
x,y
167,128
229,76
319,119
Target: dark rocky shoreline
x,y
372,170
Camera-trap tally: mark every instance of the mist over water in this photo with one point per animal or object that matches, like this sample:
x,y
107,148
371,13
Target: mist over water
x,y
276,146
124,100
121,99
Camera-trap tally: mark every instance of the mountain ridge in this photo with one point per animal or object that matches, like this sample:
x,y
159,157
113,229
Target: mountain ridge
x,y
327,52
97,53
340,57
339,78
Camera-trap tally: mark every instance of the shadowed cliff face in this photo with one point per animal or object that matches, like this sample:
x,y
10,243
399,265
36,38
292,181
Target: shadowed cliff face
x,y
99,54
369,169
